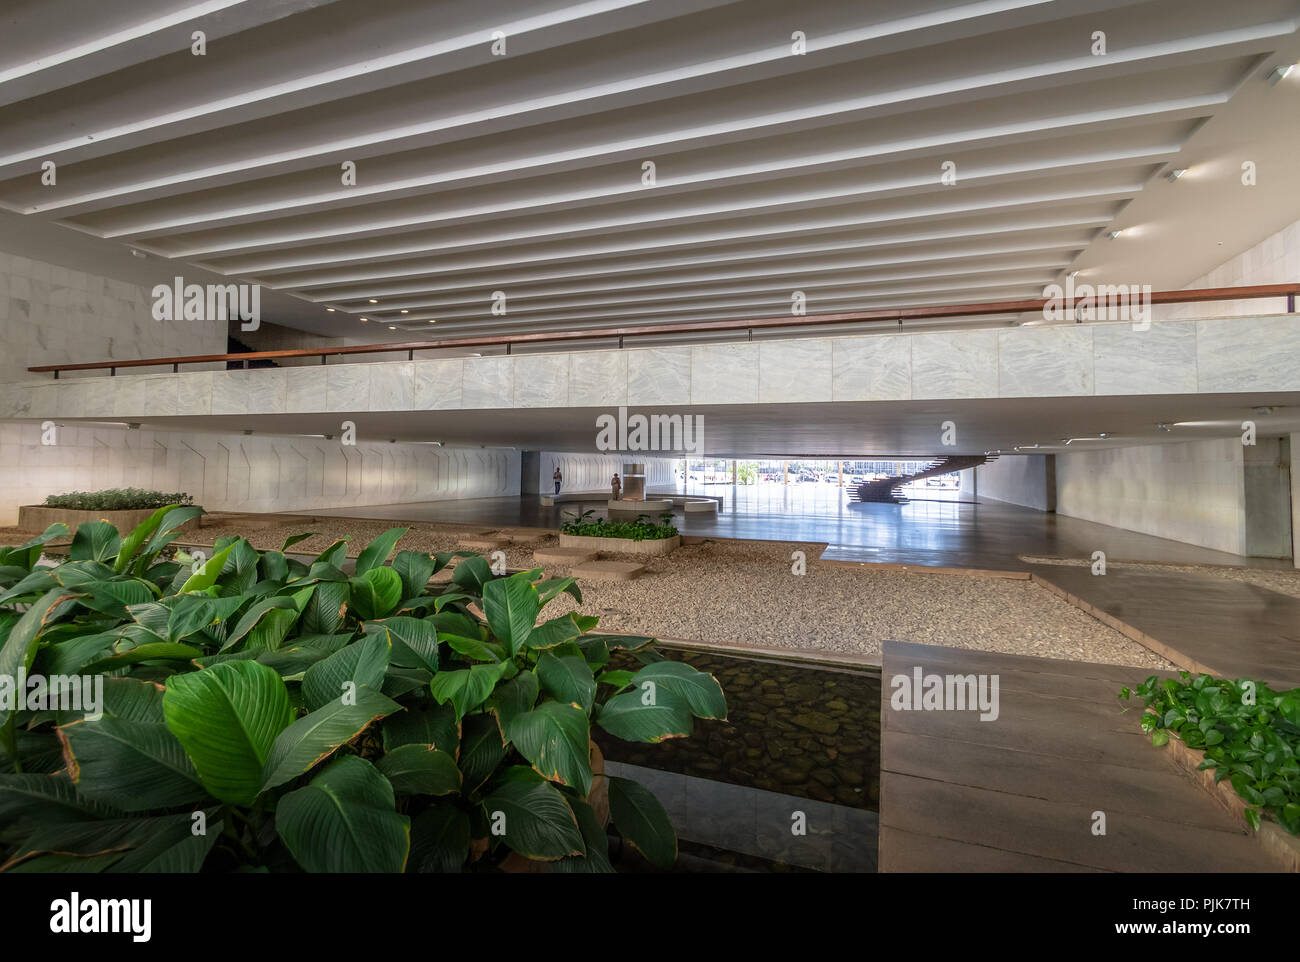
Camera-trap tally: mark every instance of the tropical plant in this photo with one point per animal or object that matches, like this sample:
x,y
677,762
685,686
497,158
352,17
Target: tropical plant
x,y
747,472
264,713
116,499
642,529
1250,735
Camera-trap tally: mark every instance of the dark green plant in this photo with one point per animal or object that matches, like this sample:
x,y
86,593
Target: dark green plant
x,y
116,499
1250,735
262,713
642,529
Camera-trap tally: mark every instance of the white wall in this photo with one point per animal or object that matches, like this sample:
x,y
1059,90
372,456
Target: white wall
x,y
1295,498
592,472
1274,260
1191,491
227,472
49,314
1024,479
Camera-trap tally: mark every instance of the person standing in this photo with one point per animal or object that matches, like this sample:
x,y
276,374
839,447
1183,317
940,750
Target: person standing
x,y
615,488
559,479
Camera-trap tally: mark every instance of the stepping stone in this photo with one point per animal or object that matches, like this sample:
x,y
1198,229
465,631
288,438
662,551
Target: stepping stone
x,y
517,535
483,542
566,557
608,570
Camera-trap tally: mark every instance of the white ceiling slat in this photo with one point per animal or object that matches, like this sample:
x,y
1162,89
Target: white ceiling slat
x,y
522,173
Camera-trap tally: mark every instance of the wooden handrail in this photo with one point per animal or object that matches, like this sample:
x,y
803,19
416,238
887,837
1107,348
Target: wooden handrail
x,y
882,315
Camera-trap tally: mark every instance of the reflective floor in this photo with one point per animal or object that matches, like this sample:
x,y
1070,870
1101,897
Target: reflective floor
x,y
943,531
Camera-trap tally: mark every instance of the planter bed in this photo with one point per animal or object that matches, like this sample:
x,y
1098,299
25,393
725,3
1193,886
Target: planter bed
x,y
37,517
658,546
1281,846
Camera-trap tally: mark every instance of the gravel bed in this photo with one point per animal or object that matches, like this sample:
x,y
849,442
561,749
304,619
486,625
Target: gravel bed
x,y
1282,580
743,592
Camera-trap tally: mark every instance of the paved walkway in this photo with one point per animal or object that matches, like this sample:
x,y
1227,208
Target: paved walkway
x,y
1019,793
1226,628
945,533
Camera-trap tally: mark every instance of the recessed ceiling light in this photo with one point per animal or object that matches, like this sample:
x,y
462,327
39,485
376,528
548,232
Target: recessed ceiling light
x,y
1174,174
140,254
373,301
1280,73
405,311
330,309
1072,274
365,318
1112,234
391,327
433,322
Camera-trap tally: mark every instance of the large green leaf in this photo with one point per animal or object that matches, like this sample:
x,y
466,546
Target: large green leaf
x,y
511,606
317,734
468,688
133,766
207,575
377,593
132,542
344,821
415,568
325,610
567,678
482,749
535,817
95,541
593,836
29,552
227,717
472,573
420,770
435,725
700,690
254,615
439,839
359,665
641,820
554,737
19,648
631,718
160,651
27,801
510,698
414,641
377,552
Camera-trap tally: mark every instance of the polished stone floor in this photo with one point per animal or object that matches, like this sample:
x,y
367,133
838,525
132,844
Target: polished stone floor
x,y
943,532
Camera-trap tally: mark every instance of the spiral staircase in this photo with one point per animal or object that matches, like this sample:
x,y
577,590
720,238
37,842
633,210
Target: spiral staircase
x,y
887,490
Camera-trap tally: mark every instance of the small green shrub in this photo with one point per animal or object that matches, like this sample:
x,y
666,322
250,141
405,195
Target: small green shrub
x,y
1249,733
642,529
116,499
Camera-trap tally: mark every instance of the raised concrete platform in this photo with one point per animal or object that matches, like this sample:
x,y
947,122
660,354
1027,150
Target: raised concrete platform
x,y
608,571
621,545
1019,793
631,510
565,557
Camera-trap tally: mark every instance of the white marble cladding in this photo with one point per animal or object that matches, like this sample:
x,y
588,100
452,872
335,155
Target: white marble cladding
x,y
50,315
1191,492
1237,355
236,473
